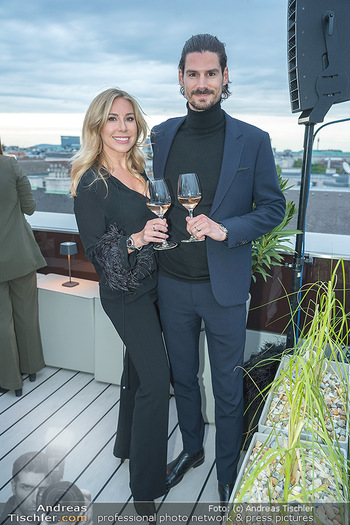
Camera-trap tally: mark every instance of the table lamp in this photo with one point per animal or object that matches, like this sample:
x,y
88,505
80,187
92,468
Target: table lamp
x,y
69,248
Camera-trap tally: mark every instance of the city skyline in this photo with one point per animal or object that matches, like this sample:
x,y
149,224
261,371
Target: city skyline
x,y
57,56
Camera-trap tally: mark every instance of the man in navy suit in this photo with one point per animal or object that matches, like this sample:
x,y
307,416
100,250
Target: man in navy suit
x,y
210,280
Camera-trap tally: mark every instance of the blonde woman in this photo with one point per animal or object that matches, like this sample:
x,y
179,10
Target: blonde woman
x,y
117,230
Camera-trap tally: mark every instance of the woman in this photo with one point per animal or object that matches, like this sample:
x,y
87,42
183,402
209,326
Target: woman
x,y
20,257
110,195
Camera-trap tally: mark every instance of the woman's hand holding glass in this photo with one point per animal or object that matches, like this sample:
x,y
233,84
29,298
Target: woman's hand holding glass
x,y
159,202
155,231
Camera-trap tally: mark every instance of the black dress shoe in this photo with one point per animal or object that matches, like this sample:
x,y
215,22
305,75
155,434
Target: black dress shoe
x,y
225,490
183,463
32,378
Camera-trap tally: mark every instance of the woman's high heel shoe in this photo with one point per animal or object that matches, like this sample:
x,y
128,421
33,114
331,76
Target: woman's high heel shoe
x,y
147,509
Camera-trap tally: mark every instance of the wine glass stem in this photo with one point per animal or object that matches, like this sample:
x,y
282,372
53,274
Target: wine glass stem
x,y
190,213
164,243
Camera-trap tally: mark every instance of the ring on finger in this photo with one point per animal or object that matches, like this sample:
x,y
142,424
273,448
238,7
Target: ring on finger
x,y
153,227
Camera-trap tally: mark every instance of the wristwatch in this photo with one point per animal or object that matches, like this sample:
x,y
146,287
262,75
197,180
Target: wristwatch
x,y
225,230
130,244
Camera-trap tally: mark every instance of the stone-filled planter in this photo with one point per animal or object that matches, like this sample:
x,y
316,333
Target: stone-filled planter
x,y
268,484
259,373
276,411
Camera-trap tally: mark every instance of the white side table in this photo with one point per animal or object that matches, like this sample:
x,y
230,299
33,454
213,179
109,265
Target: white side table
x,y
66,317
75,331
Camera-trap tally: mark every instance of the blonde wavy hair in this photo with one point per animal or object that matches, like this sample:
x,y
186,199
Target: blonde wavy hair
x,y
91,152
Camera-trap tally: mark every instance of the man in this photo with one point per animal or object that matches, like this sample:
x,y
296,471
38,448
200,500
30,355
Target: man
x,y
29,474
209,281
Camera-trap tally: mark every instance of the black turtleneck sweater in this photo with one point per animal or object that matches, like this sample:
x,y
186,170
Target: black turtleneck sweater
x,y
197,147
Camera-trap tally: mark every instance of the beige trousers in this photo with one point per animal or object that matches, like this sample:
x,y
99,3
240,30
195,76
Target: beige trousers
x,y
20,342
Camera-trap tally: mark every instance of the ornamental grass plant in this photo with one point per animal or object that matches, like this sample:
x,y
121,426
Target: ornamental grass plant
x,y
306,462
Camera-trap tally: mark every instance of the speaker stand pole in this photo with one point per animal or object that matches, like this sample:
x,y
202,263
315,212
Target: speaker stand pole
x,y
331,85
299,259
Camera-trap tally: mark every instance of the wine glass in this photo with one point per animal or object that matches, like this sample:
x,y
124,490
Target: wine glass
x,y
159,202
189,195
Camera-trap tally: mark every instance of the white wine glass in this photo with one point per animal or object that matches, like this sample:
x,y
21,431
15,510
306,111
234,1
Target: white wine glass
x,y
189,195
159,202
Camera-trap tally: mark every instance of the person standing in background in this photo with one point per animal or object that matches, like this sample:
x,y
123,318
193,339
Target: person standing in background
x,y
20,257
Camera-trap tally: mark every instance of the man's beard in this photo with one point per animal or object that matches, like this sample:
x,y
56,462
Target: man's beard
x,y
205,105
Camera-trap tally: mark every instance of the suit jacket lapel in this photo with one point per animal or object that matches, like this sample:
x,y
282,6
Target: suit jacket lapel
x,y
230,160
163,142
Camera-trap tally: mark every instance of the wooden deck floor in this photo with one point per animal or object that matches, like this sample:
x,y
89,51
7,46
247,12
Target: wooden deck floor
x,y
72,417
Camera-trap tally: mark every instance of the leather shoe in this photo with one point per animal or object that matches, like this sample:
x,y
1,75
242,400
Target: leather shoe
x,y
183,463
32,377
225,490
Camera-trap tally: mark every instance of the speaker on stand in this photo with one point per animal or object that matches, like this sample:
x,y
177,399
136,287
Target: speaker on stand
x,y
319,76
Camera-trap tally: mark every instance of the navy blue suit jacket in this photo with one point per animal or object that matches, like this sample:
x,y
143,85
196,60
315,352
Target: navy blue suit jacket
x,y
248,175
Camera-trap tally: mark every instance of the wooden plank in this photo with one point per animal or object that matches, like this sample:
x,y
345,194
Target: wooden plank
x,y
189,489
53,410
38,393
117,488
9,399
69,424
210,492
71,413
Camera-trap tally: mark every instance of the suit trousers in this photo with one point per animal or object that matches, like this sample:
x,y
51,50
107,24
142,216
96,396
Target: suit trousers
x,y
182,307
144,402
20,341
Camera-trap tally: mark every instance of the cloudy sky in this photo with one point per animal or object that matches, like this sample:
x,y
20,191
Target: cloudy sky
x,y
56,55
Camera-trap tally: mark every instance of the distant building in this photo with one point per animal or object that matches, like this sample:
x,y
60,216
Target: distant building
x,y
58,179
285,159
70,142
50,174
58,156
328,208
45,147
36,171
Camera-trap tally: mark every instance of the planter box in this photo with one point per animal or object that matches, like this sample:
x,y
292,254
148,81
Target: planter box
x,y
266,429
273,507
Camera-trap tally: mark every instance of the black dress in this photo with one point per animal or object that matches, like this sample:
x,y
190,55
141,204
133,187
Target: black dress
x,y
106,216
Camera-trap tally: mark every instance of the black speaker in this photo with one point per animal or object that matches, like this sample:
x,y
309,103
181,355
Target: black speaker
x,y
318,55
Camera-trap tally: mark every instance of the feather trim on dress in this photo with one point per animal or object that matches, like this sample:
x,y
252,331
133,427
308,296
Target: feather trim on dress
x,y
111,258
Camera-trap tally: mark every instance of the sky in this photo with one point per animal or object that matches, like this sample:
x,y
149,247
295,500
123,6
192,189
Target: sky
x,y
57,55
